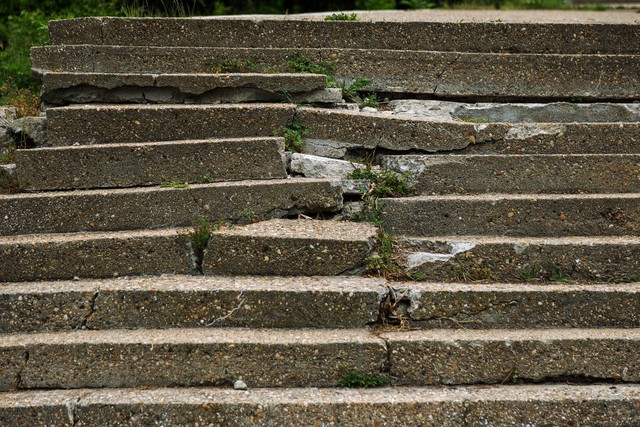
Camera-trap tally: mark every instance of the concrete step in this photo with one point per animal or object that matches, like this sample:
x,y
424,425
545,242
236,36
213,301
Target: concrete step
x,y
534,405
61,88
310,302
161,207
289,248
462,356
450,34
570,173
537,304
146,123
275,247
152,163
187,357
313,357
192,302
477,76
429,126
514,215
506,259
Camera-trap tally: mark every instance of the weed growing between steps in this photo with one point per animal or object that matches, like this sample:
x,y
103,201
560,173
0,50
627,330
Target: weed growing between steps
x,y
342,17
353,379
293,135
199,237
174,184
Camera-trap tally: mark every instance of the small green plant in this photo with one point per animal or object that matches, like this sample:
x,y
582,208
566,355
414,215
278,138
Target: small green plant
x,y
530,273
174,184
353,379
301,63
342,17
235,66
558,276
293,136
201,232
417,4
476,120
249,215
351,93
384,182
207,177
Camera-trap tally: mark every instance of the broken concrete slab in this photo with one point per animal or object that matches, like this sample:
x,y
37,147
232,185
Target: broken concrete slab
x,y
173,163
536,304
94,255
450,34
507,259
479,76
8,178
572,173
321,167
514,215
159,207
194,357
603,405
289,248
145,123
494,357
29,132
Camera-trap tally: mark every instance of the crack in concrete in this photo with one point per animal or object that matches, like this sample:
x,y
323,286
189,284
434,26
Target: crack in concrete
x,y
72,406
82,323
17,385
241,301
455,315
444,70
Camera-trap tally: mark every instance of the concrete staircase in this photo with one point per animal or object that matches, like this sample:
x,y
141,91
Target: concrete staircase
x,y
521,234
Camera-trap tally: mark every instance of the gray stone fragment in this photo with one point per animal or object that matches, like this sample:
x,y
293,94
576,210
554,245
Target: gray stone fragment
x,y
30,131
239,385
321,167
326,148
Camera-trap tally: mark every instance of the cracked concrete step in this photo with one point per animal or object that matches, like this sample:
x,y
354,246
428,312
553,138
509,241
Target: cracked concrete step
x,y
147,123
514,215
460,356
542,404
150,163
316,302
493,76
274,247
295,32
60,88
552,173
289,248
416,126
505,259
537,304
187,357
192,302
159,207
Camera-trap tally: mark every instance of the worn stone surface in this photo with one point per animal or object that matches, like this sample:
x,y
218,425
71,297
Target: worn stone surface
x,y
86,255
602,405
480,258
483,76
446,32
8,178
538,304
466,174
121,124
153,163
289,248
322,167
192,357
157,207
514,215
495,357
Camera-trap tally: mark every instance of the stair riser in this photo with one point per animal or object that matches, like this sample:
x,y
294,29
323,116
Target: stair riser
x,y
129,165
444,74
173,364
591,405
67,126
520,174
163,207
99,257
496,37
611,216
505,262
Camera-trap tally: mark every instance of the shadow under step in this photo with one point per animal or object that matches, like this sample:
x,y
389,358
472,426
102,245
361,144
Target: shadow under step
x,y
150,163
61,88
514,215
274,247
555,404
